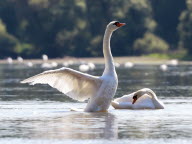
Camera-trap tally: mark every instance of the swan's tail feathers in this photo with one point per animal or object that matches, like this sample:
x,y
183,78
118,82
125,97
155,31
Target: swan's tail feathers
x,y
161,105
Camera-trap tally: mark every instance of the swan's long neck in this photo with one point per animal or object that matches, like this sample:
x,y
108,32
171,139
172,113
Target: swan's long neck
x,y
156,102
109,66
153,95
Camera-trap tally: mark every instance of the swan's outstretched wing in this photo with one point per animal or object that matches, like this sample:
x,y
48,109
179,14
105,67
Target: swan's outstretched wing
x,y
77,85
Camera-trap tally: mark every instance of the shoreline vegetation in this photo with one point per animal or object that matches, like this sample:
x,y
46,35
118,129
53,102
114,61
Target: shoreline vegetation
x,y
58,28
100,60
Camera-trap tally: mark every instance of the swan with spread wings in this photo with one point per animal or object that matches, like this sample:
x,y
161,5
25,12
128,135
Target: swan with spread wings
x,y
81,86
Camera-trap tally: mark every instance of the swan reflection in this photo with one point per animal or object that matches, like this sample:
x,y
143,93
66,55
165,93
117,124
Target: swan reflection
x,y
74,126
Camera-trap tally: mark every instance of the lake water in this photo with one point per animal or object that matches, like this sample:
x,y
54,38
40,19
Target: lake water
x,y
40,114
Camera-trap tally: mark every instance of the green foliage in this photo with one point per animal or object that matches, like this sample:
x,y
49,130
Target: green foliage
x,y
166,14
179,54
150,44
8,44
158,55
185,30
2,27
76,27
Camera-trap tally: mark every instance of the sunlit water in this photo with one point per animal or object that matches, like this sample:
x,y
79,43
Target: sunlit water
x,y
40,114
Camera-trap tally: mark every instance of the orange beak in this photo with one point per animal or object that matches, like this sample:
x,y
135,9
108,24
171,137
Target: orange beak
x,y
121,24
134,100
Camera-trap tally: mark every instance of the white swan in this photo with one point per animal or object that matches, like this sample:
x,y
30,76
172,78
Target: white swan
x,y
29,64
173,62
128,65
117,65
87,67
91,65
84,67
81,86
46,65
9,60
49,65
20,59
163,67
142,99
45,57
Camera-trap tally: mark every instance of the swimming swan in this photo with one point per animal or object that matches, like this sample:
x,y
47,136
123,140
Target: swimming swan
x,y
81,86
142,99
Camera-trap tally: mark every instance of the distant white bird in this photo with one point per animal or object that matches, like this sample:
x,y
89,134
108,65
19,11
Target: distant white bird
x,y
70,62
46,65
49,65
54,64
117,65
142,99
65,64
128,65
20,59
81,86
163,67
173,62
29,64
9,60
45,57
91,66
84,67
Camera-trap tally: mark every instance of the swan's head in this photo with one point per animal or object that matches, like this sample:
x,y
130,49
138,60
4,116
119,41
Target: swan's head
x,y
114,25
141,92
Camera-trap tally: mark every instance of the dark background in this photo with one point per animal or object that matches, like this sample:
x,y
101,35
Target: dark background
x,y
59,28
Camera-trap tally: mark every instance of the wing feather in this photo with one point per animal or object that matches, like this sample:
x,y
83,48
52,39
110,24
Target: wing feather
x,y
77,85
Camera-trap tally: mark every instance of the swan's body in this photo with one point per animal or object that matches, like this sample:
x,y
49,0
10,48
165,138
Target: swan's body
x,y
91,65
81,86
117,65
9,60
173,62
49,65
68,63
128,65
145,99
84,67
54,64
163,67
45,57
29,64
20,59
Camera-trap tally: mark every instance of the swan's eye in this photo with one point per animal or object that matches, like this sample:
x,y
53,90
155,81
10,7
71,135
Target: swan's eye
x,y
116,23
135,97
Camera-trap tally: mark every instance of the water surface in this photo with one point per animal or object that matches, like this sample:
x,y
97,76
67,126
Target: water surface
x,y
40,114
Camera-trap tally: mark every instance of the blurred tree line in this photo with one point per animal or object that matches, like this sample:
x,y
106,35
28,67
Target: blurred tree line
x,y
61,28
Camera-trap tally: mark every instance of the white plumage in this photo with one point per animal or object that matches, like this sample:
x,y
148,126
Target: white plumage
x,y
91,65
145,99
20,59
29,64
84,67
45,57
81,86
163,67
117,65
173,62
9,60
74,84
128,65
